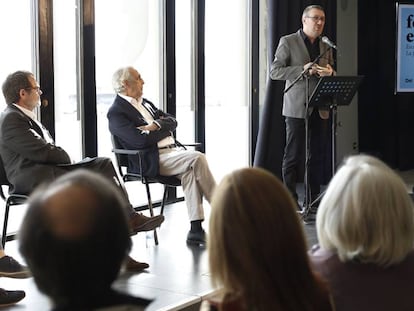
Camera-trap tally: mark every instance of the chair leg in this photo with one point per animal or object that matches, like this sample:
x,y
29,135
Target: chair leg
x,y
5,221
151,211
164,199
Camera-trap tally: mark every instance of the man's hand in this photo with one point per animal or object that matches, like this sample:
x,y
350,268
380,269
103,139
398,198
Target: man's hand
x,y
324,71
319,70
311,68
149,127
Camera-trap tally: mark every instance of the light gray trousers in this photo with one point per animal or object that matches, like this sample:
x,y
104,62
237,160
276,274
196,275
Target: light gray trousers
x,y
196,178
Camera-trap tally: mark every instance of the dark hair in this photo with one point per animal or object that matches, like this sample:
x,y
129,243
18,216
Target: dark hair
x,y
73,269
312,6
14,83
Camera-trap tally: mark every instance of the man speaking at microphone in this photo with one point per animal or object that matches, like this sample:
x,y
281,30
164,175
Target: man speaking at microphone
x,y
295,55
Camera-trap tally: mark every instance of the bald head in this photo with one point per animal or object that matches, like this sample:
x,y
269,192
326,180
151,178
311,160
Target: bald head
x,y
78,223
70,211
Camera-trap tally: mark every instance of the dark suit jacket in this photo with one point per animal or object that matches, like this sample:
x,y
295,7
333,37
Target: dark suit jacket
x,y
26,155
123,122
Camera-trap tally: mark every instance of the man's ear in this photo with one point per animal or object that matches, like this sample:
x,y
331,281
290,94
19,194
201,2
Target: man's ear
x,y
22,92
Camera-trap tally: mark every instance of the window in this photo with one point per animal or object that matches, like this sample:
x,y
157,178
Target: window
x,y
227,84
67,104
133,37
18,45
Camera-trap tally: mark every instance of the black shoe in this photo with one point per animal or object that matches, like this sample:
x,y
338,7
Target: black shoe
x,y
196,237
9,267
10,297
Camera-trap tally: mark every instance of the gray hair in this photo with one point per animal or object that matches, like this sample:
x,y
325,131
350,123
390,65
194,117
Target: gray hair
x,y
119,77
366,213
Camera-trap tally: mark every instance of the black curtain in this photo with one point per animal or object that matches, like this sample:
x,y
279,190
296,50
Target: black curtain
x,y
284,17
386,127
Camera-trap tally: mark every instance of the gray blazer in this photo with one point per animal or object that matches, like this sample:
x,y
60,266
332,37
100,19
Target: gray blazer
x,y
291,54
28,159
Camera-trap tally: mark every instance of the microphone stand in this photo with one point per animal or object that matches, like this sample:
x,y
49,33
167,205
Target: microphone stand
x,y
305,74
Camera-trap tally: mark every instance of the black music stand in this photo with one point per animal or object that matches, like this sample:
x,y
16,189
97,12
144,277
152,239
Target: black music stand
x,y
329,93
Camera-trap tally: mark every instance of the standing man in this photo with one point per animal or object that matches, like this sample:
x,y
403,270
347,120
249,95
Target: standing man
x,y
295,53
31,157
139,124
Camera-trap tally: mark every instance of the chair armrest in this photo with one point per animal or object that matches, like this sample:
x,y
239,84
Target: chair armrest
x,y
192,144
195,145
123,153
127,151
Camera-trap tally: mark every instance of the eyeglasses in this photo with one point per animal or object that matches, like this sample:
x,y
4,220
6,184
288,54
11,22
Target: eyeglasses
x,y
317,18
36,88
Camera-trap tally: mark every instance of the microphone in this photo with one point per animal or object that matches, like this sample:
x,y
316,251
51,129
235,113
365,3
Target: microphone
x,y
326,40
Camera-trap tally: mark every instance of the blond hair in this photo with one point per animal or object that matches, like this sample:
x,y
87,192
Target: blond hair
x,y
366,213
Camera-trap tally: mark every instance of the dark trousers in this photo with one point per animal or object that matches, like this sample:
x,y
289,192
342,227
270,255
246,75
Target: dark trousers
x,y
293,166
101,166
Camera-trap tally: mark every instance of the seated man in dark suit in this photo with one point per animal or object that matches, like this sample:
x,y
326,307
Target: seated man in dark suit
x,y
65,238
139,124
30,156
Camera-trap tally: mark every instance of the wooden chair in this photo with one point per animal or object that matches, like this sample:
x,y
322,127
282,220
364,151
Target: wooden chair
x,y
10,200
121,157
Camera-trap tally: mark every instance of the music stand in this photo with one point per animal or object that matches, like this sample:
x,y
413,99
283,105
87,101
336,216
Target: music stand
x,y
329,93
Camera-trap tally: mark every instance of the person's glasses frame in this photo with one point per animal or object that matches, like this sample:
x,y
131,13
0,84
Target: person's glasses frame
x,y
36,88
316,18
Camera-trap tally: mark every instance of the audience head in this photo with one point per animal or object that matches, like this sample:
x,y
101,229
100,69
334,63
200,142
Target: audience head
x,y
366,214
15,83
128,81
256,243
75,236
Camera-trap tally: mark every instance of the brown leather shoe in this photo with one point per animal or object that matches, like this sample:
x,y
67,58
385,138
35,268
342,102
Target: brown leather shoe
x,y
132,265
139,222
